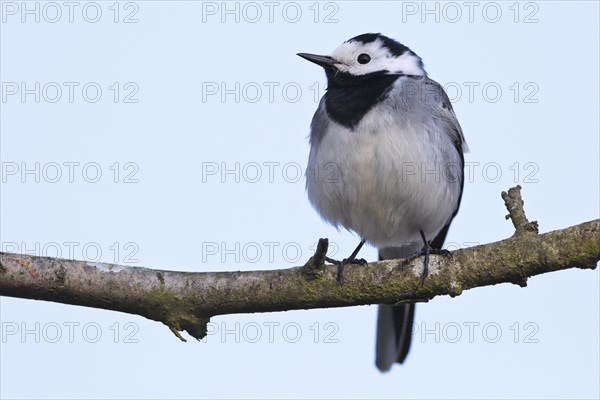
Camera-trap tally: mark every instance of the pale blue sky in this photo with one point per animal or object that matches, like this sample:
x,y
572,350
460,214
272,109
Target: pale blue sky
x,y
199,130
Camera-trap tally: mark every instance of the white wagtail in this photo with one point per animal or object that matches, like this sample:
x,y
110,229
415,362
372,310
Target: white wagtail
x,y
386,161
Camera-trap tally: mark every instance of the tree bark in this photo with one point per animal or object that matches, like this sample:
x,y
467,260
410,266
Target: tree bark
x,y
187,300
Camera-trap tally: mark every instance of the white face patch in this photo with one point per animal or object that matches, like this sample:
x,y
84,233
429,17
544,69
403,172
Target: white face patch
x,y
381,59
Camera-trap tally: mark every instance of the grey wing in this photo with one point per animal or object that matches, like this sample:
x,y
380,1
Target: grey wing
x,y
420,100
320,124
446,112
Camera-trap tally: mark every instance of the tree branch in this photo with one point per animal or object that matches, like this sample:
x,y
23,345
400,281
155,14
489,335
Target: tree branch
x,y
185,301
514,204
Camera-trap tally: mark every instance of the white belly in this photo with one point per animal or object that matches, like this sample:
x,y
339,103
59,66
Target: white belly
x,y
386,183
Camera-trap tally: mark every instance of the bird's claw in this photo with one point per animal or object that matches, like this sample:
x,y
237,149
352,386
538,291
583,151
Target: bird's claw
x,y
343,263
356,261
426,251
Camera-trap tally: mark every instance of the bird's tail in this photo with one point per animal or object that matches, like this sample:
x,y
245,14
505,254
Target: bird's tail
x,y
394,334
394,323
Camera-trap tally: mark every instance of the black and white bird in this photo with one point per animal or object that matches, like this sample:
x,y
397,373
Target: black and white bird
x,y
386,161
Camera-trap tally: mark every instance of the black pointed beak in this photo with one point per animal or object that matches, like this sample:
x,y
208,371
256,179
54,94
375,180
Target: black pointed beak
x,y
323,61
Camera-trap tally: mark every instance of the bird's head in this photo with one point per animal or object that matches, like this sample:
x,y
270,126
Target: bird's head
x,y
366,55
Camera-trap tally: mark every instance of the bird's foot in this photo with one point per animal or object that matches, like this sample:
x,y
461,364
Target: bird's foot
x,y
343,263
350,260
426,251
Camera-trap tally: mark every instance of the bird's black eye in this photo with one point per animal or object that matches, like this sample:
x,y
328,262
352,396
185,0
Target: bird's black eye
x,y
363,58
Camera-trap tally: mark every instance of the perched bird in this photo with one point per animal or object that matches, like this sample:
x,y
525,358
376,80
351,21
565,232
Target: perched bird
x,y
386,161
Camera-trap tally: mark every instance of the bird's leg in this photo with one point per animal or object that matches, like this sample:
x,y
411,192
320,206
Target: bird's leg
x,y
350,260
426,251
355,253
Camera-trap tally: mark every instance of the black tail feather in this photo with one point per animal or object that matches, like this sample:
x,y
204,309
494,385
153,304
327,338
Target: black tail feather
x,y
404,318
394,324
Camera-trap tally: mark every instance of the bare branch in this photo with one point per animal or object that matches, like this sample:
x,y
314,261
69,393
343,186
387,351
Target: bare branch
x,y
185,301
514,205
316,264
